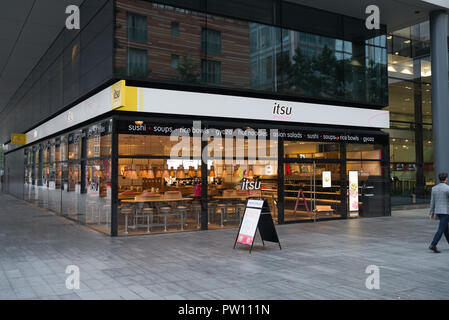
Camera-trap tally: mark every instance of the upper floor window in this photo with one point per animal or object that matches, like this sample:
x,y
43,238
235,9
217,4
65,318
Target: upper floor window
x,y
211,71
137,27
210,41
174,61
137,62
175,29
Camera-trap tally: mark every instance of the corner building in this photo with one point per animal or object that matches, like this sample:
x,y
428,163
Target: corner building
x,y
307,88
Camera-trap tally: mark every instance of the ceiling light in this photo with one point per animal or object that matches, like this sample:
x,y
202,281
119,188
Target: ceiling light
x,y
406,71
391,69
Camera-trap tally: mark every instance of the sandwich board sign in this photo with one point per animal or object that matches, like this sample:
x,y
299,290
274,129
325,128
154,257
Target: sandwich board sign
x,y
257,216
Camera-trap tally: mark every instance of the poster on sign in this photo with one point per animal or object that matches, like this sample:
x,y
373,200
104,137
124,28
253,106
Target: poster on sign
x,y
257,216
249,226
250,222
353,192
327,181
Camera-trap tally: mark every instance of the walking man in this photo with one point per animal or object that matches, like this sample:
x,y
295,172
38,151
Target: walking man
x,y
439,206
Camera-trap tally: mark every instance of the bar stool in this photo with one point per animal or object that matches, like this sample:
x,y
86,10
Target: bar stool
x,y
165,211
196,210
222,208
182,211
127,211
211,211
147,212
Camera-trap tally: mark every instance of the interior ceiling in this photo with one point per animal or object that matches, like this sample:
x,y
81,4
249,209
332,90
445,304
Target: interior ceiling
x,y
27,29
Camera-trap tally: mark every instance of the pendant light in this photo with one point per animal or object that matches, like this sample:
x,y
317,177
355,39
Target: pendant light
x,y
224,173
159,173
250,173
191,172
133,175
143,172
172,172
166,174
150,173
180,174
236,172
211,172
199,172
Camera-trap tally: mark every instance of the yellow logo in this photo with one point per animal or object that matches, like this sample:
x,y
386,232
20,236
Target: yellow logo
x,y
18,139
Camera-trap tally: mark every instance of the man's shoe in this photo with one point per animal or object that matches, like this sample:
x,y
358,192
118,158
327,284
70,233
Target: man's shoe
x,y
434,249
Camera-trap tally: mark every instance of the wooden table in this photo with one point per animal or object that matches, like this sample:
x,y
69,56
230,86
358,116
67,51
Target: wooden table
x,y
236,197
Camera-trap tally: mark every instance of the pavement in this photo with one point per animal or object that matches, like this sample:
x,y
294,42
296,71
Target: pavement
x,y
323,260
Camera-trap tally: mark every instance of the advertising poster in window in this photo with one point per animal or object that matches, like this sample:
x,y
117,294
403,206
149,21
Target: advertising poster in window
x,y
327,181
353,192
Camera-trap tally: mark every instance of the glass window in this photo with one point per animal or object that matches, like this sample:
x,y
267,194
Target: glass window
x,y
211,41
72,202
137,62
363,151
311,150
401,100
64,148
402,146
137,27
74,142
98,195
175,29
174,61
244,54
306,197
211,71
99,140
132,144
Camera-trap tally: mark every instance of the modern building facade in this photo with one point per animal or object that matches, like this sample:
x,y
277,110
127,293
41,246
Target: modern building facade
x,y
162,116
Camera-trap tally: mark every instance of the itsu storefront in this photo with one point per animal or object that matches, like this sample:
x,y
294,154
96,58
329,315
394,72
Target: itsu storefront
x,y
133,160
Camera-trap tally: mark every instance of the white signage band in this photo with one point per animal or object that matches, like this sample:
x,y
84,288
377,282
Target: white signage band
x,y
213,105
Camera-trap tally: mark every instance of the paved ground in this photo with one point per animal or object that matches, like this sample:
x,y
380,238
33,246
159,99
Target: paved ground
x,y
326,260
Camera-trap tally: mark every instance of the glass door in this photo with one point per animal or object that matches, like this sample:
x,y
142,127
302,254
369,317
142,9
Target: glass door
x,y
312,191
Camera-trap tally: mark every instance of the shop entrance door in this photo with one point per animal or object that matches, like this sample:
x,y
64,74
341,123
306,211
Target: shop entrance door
x,y
312,190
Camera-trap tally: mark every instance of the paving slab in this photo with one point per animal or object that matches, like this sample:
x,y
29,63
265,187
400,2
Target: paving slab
x,y
324,260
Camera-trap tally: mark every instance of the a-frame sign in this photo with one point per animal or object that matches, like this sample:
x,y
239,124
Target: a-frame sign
x,y
257,216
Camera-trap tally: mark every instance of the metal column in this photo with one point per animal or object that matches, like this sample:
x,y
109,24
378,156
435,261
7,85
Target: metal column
x,y
440,90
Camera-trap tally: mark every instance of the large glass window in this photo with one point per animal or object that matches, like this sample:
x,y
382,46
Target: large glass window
x,y
137,27
98,194
211,71
69,183
211,41
230,52
137,62
311,150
